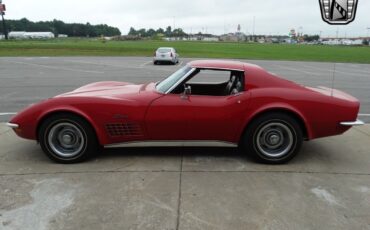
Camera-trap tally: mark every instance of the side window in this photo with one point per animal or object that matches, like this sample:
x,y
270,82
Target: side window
x,y
213,82
210,76
216,82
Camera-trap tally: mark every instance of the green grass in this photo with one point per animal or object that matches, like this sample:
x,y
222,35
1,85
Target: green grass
x,y
90,47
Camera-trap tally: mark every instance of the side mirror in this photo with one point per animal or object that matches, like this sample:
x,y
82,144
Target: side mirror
x,y
187,92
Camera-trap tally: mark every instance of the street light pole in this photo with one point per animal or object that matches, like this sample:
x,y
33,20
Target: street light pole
x,y
253,29
4,26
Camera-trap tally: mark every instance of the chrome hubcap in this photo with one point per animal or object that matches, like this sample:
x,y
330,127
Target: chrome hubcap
x,y
66,139
274,139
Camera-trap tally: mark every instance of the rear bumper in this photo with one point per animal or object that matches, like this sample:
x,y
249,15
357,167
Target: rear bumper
x,y
171,59
352,123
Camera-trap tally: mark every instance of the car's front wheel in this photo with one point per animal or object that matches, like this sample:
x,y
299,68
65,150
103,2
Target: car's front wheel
x,y
273,138
67,138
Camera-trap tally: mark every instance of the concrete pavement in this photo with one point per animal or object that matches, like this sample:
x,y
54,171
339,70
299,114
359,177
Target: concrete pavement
x,y
327,186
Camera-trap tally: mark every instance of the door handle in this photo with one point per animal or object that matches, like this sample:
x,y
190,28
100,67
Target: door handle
x,y
237,94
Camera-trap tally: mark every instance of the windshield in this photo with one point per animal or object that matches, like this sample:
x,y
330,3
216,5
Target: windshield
x,y
163,50
167,83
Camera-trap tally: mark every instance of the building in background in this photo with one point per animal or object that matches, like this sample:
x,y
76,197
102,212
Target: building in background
x,y
30,35
62,36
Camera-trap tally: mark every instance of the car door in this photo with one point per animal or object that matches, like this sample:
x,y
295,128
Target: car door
x,y
217,117
195,117
168,118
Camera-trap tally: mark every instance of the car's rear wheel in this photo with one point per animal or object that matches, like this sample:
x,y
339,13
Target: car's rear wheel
x,y
273,138
67,138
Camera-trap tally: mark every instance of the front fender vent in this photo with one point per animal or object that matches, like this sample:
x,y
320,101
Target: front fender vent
x,y
129,129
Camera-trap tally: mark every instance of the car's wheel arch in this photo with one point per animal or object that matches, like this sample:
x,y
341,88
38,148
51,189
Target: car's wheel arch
x,y
75,112
294,113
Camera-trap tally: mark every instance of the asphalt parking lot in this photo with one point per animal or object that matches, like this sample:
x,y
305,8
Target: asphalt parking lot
x,y
26,80
327,186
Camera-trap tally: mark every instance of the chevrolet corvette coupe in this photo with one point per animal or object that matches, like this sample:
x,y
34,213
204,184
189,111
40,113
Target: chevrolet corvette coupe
x,y
204,101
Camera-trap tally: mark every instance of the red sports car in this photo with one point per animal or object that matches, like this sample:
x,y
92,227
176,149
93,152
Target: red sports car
x,y
204,101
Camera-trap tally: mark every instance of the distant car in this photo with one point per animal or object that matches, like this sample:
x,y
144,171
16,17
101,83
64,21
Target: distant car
x,y
267,116
166,54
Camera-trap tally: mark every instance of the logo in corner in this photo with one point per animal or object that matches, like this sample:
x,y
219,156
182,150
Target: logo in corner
x,y
338,12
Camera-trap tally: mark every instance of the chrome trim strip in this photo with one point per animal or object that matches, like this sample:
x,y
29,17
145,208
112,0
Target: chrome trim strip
x,y
217,68
173,144
12,125
352,123
179,81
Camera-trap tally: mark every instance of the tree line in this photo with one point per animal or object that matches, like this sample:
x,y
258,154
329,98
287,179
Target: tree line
x,y
60,27
168,32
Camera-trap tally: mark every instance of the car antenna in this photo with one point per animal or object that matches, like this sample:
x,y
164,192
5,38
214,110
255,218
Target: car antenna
x,y
332,82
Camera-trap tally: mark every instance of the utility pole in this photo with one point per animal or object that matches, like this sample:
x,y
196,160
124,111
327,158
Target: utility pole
x,y
253,29
2,12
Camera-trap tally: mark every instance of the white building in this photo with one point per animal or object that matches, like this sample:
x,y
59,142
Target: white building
x,y
38,35
352,42
211,39
16,34
332,42
343,41
30,35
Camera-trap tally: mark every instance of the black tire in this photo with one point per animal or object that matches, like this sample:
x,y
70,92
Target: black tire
x,y
57,132
155,63
273,138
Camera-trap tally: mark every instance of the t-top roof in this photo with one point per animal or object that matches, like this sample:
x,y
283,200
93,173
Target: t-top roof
x,y
218,64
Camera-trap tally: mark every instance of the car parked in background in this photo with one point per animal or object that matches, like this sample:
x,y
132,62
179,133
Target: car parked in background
x,y
166,54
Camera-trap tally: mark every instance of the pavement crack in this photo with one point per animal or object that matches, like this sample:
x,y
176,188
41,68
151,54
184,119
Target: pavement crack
x,y
7,131
359,130
180,193
185,171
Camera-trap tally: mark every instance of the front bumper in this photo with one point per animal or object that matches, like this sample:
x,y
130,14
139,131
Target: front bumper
x,y
352,123
12,125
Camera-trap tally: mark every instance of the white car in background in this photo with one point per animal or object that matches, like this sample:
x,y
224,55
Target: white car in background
x,y
166,54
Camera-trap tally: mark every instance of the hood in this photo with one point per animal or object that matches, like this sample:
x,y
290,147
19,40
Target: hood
x,y
105,89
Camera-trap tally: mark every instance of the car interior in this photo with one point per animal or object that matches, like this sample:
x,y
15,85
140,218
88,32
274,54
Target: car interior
x,y
233,85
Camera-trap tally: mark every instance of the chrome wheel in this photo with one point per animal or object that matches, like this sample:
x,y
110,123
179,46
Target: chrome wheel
x,y
66,139
275,139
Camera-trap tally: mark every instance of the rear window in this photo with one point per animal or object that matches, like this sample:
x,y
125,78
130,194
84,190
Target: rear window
x,y
164,50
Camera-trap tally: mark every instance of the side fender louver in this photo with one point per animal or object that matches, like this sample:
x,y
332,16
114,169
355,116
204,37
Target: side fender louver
x,y
129,129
